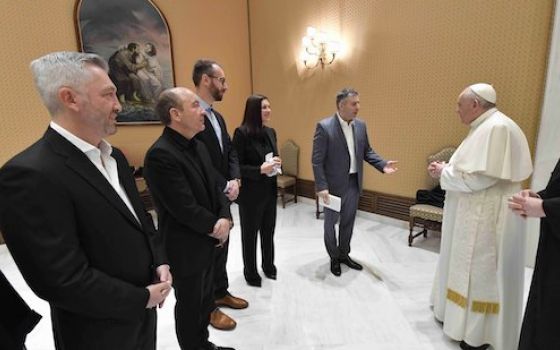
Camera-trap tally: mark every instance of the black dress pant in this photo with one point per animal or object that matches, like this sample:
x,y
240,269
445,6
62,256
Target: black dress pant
x,y
258,216
221,283
195,302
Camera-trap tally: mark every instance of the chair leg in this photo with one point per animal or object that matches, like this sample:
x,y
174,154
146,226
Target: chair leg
x,y
295,192
317,207
412,235
283,197
411,226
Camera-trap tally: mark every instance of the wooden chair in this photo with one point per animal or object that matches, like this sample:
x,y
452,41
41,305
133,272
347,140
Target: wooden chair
x,y
145,194
428,217
288,180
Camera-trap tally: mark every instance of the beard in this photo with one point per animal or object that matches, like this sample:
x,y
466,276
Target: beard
x,y
216,93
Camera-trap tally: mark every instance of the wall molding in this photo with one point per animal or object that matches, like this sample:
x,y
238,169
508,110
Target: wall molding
x,y
370,201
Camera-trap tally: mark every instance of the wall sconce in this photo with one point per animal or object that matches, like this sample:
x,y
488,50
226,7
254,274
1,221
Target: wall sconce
x,y
318,48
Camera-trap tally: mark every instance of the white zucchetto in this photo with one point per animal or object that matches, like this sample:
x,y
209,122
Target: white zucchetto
x,y
486,91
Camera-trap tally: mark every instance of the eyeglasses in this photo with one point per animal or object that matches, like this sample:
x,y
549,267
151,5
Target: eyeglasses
x,y
222,80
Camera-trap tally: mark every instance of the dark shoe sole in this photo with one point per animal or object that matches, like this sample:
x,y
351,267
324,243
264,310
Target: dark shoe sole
x,y
336,273
353,265
271,276
466,346
254,283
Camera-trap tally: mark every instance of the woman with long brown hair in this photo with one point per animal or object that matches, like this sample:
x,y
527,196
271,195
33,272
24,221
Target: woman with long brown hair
x,y
259,163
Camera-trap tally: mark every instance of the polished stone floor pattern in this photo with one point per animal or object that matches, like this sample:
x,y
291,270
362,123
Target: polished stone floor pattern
x,y
383,307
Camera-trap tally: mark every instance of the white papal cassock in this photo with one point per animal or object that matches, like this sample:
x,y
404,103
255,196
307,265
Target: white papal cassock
x,y
478,288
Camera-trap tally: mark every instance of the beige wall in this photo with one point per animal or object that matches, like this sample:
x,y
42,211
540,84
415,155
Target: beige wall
x,y
199,28
409,60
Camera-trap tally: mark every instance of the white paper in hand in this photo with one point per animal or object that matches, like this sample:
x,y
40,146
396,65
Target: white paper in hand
x,y
277,170
268,157
334,203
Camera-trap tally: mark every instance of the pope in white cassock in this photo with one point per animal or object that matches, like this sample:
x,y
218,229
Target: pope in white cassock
x,y
478,288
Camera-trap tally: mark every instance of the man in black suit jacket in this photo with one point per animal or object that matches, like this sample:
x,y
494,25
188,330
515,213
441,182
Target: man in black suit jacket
x,y
193,213
210,82
73,220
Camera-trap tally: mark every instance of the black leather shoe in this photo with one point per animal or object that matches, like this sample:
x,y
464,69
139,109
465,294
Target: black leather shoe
x,y
335,267
351,263
466,346
254,281
211,346
269,271
271,275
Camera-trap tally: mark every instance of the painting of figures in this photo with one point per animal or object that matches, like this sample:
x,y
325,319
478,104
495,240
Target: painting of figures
x,y
133,37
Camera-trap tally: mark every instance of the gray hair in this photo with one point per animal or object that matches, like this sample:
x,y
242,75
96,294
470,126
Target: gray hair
x,y
344,93
58,69
470,94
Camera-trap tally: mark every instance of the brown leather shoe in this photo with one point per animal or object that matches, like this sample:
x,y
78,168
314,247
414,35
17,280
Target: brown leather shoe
x,y
232,302
221,321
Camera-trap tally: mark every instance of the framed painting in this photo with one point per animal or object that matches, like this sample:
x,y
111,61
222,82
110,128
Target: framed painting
x,y
133,37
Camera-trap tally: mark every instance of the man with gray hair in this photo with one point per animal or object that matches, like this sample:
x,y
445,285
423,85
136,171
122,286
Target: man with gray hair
x,y
478,289
340,146
73,220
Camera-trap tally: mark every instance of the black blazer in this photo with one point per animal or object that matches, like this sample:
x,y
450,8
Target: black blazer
x,y
251,156
539,330
187,201
225,162
75,241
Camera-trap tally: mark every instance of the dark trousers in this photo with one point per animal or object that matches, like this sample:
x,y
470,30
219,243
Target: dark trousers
x,y
347,216
259,215
195,302
73,331
221,283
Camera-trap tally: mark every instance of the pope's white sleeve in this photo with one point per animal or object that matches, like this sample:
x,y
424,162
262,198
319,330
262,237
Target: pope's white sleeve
x,y
454,180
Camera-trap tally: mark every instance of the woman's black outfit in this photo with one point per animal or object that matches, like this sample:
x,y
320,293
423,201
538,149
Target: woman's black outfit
x,y
257,201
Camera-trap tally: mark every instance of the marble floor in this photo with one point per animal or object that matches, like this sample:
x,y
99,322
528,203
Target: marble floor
x,y
383,307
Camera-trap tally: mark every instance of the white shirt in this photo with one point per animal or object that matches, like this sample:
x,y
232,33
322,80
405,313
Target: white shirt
x,y
101,158
348,131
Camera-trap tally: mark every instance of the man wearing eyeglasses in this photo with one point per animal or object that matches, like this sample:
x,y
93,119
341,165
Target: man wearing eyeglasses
x,y
210,83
